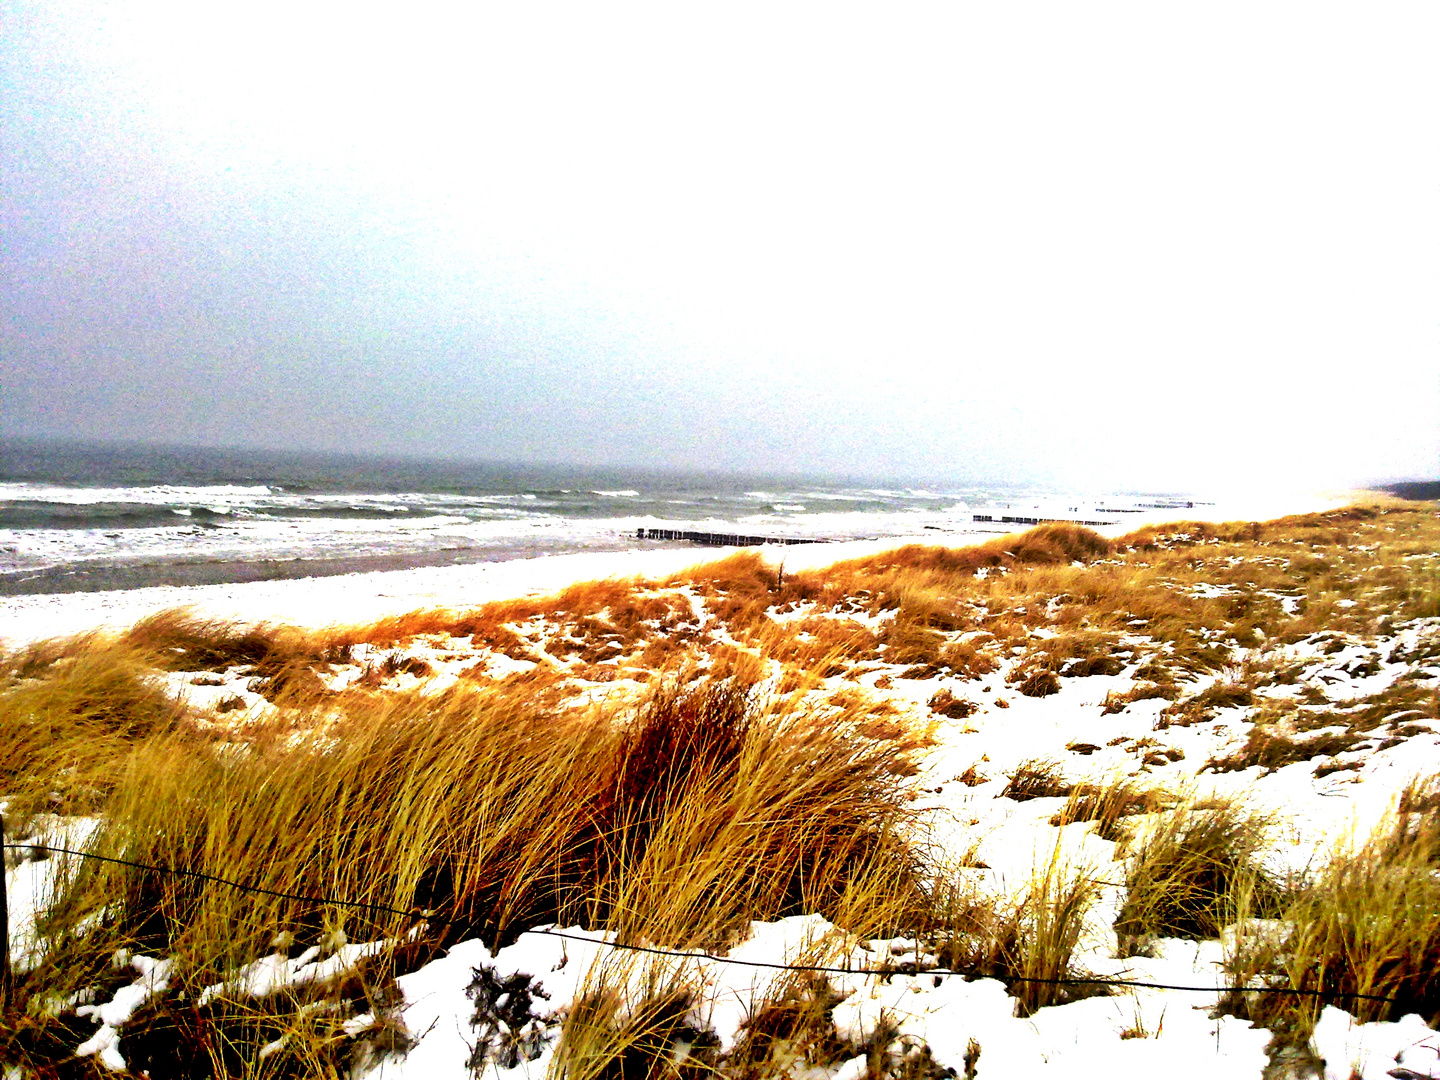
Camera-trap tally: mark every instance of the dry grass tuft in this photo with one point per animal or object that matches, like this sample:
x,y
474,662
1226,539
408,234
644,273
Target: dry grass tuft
x,y
1417,820
1145,691
1106,803
180,641
1030,944
1187,874
1201,707
614,1032
64,730
948,705
1041,682
1271,750
738,589
793,1029
1368,923
1037,778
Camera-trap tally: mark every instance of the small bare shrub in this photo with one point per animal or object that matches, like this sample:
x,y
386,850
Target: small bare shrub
x,y
947,704
1039,683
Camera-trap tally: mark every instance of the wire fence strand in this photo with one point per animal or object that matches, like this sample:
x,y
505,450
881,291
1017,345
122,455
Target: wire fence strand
x,y
819,969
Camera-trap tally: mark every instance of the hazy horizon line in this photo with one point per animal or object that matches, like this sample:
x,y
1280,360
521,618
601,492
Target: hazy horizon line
x,y
912,480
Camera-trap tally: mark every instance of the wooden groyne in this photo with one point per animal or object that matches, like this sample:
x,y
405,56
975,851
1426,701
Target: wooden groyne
x,y
1020,519
712,539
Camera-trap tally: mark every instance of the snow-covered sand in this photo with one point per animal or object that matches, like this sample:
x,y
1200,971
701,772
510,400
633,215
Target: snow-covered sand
x,y
1140,1033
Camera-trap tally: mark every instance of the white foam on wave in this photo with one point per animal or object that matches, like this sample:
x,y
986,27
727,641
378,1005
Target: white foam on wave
x,y
258,538
157,495
226,498
839,496
252,537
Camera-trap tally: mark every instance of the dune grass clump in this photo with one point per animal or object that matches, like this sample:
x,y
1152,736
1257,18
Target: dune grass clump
x,y
944,702
1417,820
1051,544
178,640
1106,803
1077,653
582,625
819,645
635,1024
476,813
1407,700
1037,954
647,1023
303,1029
1362,934
497,814
1143,691
1035,682
739,589
65,726
1232,693
1030,942
1270,750
1036,778
792,1029
1191,872
921,634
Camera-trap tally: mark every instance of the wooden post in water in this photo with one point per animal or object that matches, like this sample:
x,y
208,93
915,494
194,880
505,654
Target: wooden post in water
x,y
5,977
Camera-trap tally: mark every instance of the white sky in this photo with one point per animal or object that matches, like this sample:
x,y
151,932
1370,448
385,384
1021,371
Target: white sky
x,y
1142,243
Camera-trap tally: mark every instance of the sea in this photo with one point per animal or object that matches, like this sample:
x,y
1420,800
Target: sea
x,y
78,517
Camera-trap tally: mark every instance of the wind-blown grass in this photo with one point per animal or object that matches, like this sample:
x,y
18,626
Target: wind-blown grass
x,y
1362,928
707,809
64,726
1029,942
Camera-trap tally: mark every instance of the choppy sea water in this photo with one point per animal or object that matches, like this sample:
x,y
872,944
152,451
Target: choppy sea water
x,y
78,518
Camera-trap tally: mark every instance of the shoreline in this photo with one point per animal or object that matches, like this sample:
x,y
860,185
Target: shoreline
x,y
366,595
317,602
97,576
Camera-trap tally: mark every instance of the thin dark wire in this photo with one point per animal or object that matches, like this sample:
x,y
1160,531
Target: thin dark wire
x,y
218,880
812,968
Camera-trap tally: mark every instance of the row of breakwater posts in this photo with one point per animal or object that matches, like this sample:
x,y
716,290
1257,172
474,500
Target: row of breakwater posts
x,y
713,539
1019,519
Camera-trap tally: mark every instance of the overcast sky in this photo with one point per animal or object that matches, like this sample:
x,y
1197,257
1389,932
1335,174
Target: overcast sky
x,y
1147,244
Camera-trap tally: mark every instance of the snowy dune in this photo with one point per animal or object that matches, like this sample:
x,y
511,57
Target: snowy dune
x,y
940,1022
357,598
